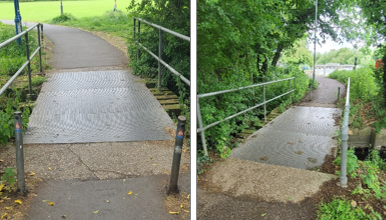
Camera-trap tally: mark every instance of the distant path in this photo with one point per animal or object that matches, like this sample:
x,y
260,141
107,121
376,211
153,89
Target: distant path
x,y
75,49
325,95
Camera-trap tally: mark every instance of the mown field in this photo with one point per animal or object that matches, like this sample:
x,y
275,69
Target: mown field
x,y
43,11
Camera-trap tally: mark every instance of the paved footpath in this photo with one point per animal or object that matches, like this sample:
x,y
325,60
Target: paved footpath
x,y
268,176
96,134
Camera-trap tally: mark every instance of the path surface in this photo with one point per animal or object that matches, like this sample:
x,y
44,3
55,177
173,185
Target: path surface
x,y
267,176
97,133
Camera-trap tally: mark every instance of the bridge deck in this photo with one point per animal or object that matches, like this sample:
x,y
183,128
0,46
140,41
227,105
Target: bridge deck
x,y
98,106
300,137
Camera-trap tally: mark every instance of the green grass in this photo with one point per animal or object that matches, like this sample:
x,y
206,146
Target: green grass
x,y
44,11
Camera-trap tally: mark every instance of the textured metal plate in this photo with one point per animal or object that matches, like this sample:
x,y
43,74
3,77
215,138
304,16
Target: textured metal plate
x,y
101,106
300,137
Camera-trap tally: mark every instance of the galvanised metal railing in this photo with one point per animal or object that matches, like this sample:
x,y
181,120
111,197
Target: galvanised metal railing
x,y
264,103
29,58
159,57
344,138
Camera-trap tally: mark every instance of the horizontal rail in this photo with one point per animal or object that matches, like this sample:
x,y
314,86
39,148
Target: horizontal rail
x,y
242,112
13,77
166,65
5,43
241,88
165,29
28,57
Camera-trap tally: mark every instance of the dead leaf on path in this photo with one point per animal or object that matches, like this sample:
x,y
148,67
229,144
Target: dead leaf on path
x,y
32,174
154,164
45,200
1,187
182,206
174,213
129,193
5,214
136,194
51,203
64,216
107,201
1,160
188,196
290,143
49,168
18,202
185,210
264,214
8,208
96,211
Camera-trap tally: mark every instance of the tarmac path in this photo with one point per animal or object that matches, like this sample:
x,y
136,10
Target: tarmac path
x,y
96,134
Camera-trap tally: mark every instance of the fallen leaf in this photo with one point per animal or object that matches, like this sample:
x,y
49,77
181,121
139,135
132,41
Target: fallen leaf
x,y
18,201
107,201
32,174
182,206
51,203
264,214
1,187
129,193
8,208
154,164
64,216
1,160
174,213
45,200
188,196
136,194
96,211
49,168
5,214
185,210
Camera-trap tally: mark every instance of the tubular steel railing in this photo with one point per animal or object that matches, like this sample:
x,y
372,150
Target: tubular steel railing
x,y
159,57
344,138
264,103
29,58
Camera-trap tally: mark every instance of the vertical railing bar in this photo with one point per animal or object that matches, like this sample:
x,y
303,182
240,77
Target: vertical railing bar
x,y
159,60
344,138
265,105
201,126
139,38
29,65
289,82
40,51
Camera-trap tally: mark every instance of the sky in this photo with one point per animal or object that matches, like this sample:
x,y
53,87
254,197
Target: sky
x,y
329,45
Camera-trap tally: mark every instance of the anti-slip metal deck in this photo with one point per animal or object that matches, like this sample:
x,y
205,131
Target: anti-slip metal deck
x,y
300,137
99,106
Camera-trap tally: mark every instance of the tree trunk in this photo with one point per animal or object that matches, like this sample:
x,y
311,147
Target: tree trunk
x,y
275,59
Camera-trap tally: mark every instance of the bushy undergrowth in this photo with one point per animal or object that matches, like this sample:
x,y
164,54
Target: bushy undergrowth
x,y
366,97
116,23
13,55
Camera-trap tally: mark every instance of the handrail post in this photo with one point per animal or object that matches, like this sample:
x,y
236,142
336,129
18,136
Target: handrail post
x,y
160,58
201,128
289,82
29,64
265,105
40,51
139,39
344,138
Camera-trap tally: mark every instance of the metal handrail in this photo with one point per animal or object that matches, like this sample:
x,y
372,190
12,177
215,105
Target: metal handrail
x,y
159,57
29,58
264,103
344,138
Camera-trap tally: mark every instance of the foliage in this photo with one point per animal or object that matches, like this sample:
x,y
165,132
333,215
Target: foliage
x,y
9,176
63,18
13,56
344,56
7,117
299,54
342,209
202,161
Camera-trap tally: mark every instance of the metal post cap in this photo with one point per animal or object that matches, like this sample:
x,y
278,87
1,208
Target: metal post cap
x,y
181,118
17,113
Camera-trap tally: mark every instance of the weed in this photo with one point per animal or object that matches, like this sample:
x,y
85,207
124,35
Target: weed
x,y
9,176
